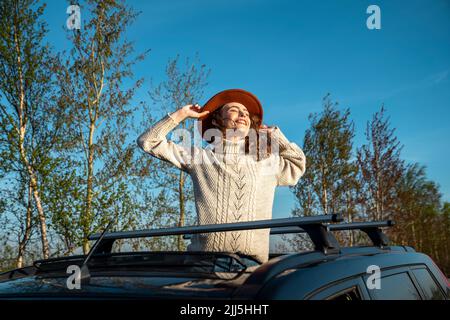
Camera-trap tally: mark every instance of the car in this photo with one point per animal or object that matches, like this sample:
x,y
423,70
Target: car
x,y
329,272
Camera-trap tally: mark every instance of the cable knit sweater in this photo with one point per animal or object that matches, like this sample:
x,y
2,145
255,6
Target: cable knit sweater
x,y
229,186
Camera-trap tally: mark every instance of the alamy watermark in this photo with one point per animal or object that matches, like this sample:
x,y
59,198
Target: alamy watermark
x,y
73,22
374,20
74,280
374,280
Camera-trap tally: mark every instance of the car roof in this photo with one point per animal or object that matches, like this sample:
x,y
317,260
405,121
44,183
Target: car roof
x,y
288,276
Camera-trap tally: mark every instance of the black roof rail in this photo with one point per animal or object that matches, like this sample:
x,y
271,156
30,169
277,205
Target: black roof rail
x,y
372,229
313,225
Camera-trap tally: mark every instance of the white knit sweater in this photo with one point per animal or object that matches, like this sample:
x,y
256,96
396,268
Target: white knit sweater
x,y
229,186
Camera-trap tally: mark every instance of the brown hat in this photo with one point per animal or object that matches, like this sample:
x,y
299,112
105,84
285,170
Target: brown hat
x,y
249,100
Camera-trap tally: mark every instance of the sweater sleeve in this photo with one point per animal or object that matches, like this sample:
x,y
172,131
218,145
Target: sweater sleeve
x,y
291,160
154,142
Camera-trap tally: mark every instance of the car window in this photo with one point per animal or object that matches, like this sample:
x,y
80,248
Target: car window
x,y
428,285
351,289
350,294
396,287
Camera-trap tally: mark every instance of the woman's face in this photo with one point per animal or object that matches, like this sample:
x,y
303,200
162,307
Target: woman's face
x,y
235,116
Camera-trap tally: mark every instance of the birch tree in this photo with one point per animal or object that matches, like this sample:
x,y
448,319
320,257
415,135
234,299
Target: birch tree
x,y
329,183
331,172
381,167
99,67
29,127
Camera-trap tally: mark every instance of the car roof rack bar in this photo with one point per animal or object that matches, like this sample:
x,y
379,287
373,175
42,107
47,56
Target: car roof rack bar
x,y
372,229
248,225
322,239
361,225
337,227
319,234
313,225
378,237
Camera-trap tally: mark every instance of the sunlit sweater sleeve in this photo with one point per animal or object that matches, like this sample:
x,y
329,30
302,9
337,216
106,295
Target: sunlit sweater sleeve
x,y
291,160
154,141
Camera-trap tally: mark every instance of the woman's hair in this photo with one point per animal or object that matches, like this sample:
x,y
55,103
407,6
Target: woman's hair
x,y
250,144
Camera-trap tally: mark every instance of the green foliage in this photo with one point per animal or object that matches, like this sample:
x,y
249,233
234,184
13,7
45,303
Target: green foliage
x,y
8,257
422,222
329,184
381,167
97,136
377,186
29,125
330,172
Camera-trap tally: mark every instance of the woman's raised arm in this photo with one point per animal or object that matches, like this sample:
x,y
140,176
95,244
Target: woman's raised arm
x,y
291,160
154,141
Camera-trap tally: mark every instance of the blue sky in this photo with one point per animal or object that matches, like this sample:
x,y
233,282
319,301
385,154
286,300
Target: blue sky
x,y
291,53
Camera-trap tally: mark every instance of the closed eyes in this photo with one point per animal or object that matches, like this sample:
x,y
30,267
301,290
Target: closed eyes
x,y
234,109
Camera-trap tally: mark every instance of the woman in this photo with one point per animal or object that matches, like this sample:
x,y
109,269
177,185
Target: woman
x,y
235,176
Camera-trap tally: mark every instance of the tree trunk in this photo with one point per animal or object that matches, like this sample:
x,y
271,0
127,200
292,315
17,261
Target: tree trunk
x,y
26,236
350,220
182,209
89,190
325,198
415,242
21,112
43,224
34,187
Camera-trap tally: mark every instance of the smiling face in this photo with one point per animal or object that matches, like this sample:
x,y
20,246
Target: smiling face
x,y
234,115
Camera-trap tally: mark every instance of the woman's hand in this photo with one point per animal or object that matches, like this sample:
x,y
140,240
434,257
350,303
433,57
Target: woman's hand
x,y
265,128
193,111
188,111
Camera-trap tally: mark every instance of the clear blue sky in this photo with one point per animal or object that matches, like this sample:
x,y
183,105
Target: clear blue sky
x,y
291,53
